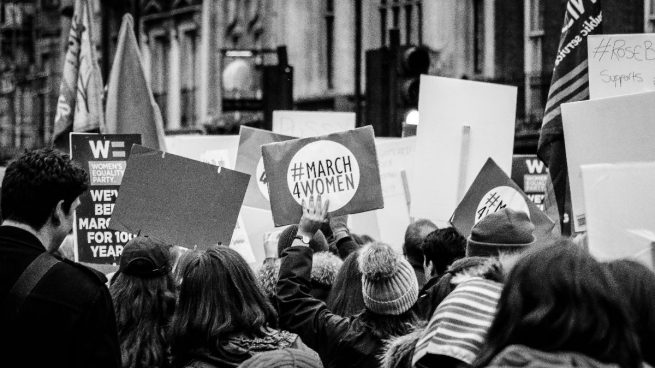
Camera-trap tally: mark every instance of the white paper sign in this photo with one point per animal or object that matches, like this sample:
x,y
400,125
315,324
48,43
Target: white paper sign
x,y
303,124
621,64
621,210
611,130
448,155
206,148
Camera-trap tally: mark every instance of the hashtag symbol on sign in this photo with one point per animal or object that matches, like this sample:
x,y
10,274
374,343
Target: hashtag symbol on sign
x,y
602,49
493,199
296,171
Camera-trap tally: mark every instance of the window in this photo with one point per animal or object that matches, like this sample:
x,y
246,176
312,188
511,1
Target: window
x,y
406,15
329,42
478,36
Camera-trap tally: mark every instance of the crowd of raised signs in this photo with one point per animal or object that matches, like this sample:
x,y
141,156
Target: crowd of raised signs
x,y
323,297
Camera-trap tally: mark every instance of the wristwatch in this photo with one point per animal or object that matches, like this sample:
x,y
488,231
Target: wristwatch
x,y
304,239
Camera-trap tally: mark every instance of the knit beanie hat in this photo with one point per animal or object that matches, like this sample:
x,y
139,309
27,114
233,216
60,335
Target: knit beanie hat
x,y
460,323
318,242
389,285
287,358
503,231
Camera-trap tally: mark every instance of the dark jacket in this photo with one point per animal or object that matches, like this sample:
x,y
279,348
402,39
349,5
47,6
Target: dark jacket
x,y
66,321
525,357
339,341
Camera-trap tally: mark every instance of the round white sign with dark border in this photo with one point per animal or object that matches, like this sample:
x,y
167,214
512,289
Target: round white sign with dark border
x,y
499,198
327,168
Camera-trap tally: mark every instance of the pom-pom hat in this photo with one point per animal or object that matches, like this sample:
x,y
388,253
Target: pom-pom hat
x,y
389,285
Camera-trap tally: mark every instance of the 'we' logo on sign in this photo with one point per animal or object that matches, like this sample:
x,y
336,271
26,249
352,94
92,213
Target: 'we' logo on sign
x,y
103,149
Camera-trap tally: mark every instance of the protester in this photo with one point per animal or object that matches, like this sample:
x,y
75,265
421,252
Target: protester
x,y
441,248
415,234
143,292
222,317
560,307
284,358
346,298
637,284
389,288
55,313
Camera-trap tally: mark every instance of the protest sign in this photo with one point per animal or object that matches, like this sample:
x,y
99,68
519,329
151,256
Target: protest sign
x,y
621,64
531,174
609,130
341,167
303,124
249,161
206,148
104,157
620,210
178,200
462,124
241,243
491,191
395,160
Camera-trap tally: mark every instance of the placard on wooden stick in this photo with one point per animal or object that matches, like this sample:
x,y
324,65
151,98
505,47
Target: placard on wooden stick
x,y
449,155
178,200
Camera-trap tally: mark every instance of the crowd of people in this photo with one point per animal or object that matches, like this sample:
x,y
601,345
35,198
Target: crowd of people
x,y
323,297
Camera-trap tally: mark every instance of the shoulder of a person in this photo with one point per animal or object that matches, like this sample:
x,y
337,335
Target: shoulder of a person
x,y
84,273
199,364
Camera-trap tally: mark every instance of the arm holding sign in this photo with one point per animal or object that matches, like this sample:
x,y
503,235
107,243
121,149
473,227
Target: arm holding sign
x,y
299,312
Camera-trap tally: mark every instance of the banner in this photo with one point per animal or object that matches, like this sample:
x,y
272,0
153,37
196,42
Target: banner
x,y
531,175
609,130
492,191
79,107
341,167
304,124
621,64
621,210
104,157
177,200
131,106
462,124
249,161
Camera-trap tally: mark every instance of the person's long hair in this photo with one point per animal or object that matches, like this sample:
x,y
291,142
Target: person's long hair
x,y
346,298
143,307
637,283
218,297
558,298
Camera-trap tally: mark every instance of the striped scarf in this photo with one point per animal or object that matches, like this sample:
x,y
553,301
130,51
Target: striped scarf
x,y
459,325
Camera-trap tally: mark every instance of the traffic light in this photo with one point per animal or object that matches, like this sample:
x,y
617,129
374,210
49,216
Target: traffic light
x,y
392,85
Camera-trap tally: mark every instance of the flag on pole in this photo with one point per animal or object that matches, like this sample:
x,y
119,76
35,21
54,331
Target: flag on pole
x,y
79,107
570,83
131,107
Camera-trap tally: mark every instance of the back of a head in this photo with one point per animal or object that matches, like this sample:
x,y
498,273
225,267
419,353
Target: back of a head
x,y
36,181
318,243
143,294
637,283
505,231
558,298
389,285
346,298
442,247
287,358
414,236
218,297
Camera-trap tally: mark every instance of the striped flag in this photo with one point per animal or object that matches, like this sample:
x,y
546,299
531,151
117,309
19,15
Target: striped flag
x,y
79,108
570,83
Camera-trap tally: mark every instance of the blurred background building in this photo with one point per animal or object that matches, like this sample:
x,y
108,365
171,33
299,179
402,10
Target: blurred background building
x,y
207,60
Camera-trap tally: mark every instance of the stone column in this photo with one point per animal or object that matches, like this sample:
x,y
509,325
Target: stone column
x,y
174,95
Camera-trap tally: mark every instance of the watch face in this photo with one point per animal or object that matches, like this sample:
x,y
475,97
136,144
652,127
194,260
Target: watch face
x,y
305,239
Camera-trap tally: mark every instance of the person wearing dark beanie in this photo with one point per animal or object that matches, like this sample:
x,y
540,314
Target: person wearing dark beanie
x,y
389,289
505,231
284,358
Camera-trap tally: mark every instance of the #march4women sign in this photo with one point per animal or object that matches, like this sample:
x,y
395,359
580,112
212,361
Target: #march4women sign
x,y
341,167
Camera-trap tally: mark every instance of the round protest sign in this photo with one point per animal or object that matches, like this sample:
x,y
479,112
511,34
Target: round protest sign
x,y
327,168
499,198
262,182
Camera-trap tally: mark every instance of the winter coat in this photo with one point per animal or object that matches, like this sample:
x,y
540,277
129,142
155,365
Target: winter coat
x,y
525,357
67,320
339,341
237,349
398,351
